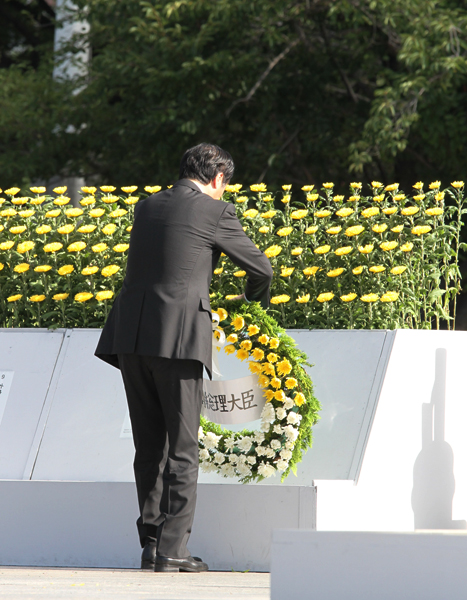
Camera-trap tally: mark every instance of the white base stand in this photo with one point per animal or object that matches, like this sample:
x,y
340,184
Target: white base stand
x,y
368,566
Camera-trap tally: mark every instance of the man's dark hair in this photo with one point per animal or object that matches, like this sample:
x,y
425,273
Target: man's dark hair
x,y
204,161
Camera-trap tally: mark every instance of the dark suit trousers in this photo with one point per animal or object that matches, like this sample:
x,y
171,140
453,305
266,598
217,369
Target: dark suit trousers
x,y
164,398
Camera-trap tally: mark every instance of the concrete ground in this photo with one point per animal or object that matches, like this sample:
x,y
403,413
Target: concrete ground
x,y
27,583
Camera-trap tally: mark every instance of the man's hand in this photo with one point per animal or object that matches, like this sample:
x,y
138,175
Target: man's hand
x,y
241,297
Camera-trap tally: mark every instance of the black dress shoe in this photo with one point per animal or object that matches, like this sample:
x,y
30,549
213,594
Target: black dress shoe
x,y
164,564
148,558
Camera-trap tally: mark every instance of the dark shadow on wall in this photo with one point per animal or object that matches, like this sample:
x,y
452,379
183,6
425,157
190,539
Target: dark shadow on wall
x,y
433,473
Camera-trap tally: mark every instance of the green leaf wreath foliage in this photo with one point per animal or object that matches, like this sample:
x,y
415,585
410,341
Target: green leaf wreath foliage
x,y
386,259
291,408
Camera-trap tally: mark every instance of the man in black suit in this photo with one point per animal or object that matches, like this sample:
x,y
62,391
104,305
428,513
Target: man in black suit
x,y
159,334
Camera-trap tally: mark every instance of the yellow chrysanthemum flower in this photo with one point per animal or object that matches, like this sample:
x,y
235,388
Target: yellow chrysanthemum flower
x,y
291,383
418,185
108,188
42,268
8,212
109,229
310,271
96,212
233,188
87,201
129,189
131,200
377,269
19,201
434,212
321,214
239,273
26,213
370,212
325,297
60,190
284,231
421,229
334,230
12,191
328,186
370,298
287,187
152,189
62,200
275,383
250,213
110,270
392,187
312,197
398,270
296,251
66,270
353,199
287,271
390,211
358,270
439,196
389,297
281,299
345,212
434,185
335,272
379,227
230,349
21,268
407,247
255,368
242,354
303,299
366,249
285,199
312,229
6,245
37,298
356,185
343,250
52,214
88,190
121,247
299,399
348,297
269,214
99,247
263,339
83,296
238,323
65,229
246,344
307,188
355,230
322,249
232,338
284,367
38,190
25,247
18,229
87,228
58,297
273,251
298,214
269,369
279,396
38,200
408,211
218,271
14,298
376,184
263,381
419,197
104,294
387,246
74,212
269,395
76,247
119,212
378,198
397,229
257,354
268,198
457,184
53,247
258,187
338,198
253,329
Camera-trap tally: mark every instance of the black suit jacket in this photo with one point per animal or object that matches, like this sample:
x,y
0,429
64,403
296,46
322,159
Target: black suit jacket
x,y
163,308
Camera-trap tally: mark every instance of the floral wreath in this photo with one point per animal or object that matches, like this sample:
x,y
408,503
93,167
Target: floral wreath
x,y
290,410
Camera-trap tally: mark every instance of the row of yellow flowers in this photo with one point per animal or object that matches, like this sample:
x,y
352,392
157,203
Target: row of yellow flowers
x,y
390,251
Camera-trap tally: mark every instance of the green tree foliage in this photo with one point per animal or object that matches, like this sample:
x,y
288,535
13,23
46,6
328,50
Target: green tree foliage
x,y
298,91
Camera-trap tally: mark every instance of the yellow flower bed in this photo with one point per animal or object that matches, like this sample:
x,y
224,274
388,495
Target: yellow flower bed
x,y
339,261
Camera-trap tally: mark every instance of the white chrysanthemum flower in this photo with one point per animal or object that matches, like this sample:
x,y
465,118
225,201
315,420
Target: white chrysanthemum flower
x,y
265,427
204,454
251,460
275,444
282,465
286,454
288,403
260,450
259,438
208,467
267,414
289,445
233,458
269,453
281,413
241,459
293,418
219,458
266,470
278,429
200,433
245,443
243,470
227,470
291,433
229,443
211,440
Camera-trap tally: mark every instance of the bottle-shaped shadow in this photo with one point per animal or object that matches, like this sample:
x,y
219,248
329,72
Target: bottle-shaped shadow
x,y
433,473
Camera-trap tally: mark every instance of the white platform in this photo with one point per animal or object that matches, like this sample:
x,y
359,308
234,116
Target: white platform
x,y
368,566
